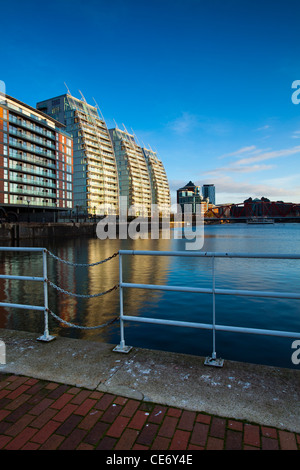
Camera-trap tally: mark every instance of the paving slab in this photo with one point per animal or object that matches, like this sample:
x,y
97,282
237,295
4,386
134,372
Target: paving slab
x,y
265,395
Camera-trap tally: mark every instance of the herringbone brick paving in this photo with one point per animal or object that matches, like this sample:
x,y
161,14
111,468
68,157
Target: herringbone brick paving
x,y
41,415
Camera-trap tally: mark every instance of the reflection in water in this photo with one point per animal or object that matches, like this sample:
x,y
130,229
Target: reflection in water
x,y
247,274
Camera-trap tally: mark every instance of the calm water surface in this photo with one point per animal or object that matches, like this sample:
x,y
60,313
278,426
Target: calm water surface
x,y
278,275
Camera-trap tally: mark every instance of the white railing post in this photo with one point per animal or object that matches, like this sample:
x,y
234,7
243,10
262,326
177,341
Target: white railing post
x,y
213,361
121,347
45,337
214,355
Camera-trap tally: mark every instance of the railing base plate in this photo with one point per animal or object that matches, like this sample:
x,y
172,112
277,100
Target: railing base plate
x,y
46,339
122,349
214,362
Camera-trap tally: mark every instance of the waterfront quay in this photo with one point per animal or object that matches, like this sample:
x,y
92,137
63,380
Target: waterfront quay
x,y
74,394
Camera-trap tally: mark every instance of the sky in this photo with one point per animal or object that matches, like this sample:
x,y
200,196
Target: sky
x,y
206,84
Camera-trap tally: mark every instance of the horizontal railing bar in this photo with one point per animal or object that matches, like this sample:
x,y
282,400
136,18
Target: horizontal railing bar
x,y
203,254
258,331
6,248
167,288
233,329
27,307
256,293
160,321
203,290
22,278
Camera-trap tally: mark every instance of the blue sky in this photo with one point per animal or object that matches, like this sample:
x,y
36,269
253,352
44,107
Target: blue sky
x,y
207,84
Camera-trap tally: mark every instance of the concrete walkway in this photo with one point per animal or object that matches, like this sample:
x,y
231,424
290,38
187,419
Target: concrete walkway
x,y
248,400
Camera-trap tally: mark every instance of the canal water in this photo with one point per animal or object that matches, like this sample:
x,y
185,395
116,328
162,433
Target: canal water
x,y
249,274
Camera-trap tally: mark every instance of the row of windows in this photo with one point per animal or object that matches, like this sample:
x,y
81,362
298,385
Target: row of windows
x,y
30,125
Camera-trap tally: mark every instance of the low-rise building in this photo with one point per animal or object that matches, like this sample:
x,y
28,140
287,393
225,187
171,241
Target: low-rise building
x,y
189,196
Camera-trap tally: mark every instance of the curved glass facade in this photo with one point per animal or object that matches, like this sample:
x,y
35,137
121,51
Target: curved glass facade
x,y
159,182
110,168
133,174
96,189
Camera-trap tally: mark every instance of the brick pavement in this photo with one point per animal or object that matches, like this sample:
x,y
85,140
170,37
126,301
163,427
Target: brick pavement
x,y
37,414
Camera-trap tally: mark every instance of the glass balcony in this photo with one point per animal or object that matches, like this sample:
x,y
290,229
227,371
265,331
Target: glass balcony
x,y
15,179
33,191
30,159
31,137
35,171
33,202
31,148
31,126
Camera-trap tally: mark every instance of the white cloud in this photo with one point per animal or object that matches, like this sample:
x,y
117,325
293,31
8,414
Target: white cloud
x,y
229,190
263,128
296,135
234,184
183,124
251,160
239,152
269,155
238,169
188,122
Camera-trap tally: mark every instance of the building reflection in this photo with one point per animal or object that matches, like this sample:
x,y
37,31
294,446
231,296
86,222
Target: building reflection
x,y
136,269
86,312
63,275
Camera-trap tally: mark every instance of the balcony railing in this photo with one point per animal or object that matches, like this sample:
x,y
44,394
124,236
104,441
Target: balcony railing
x,y
35,171
32,127
30,159
31,148
23,180
31,137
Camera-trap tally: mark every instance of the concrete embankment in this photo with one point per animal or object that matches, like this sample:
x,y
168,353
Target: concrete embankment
x,y
268,396
32,231
35,230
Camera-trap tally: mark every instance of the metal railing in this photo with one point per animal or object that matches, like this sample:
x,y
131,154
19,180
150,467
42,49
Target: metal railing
x,y
122,347
45,337
213,360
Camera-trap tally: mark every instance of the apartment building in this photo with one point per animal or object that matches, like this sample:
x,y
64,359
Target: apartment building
x,y
96,189
159,182
108,164
133,173
36,161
